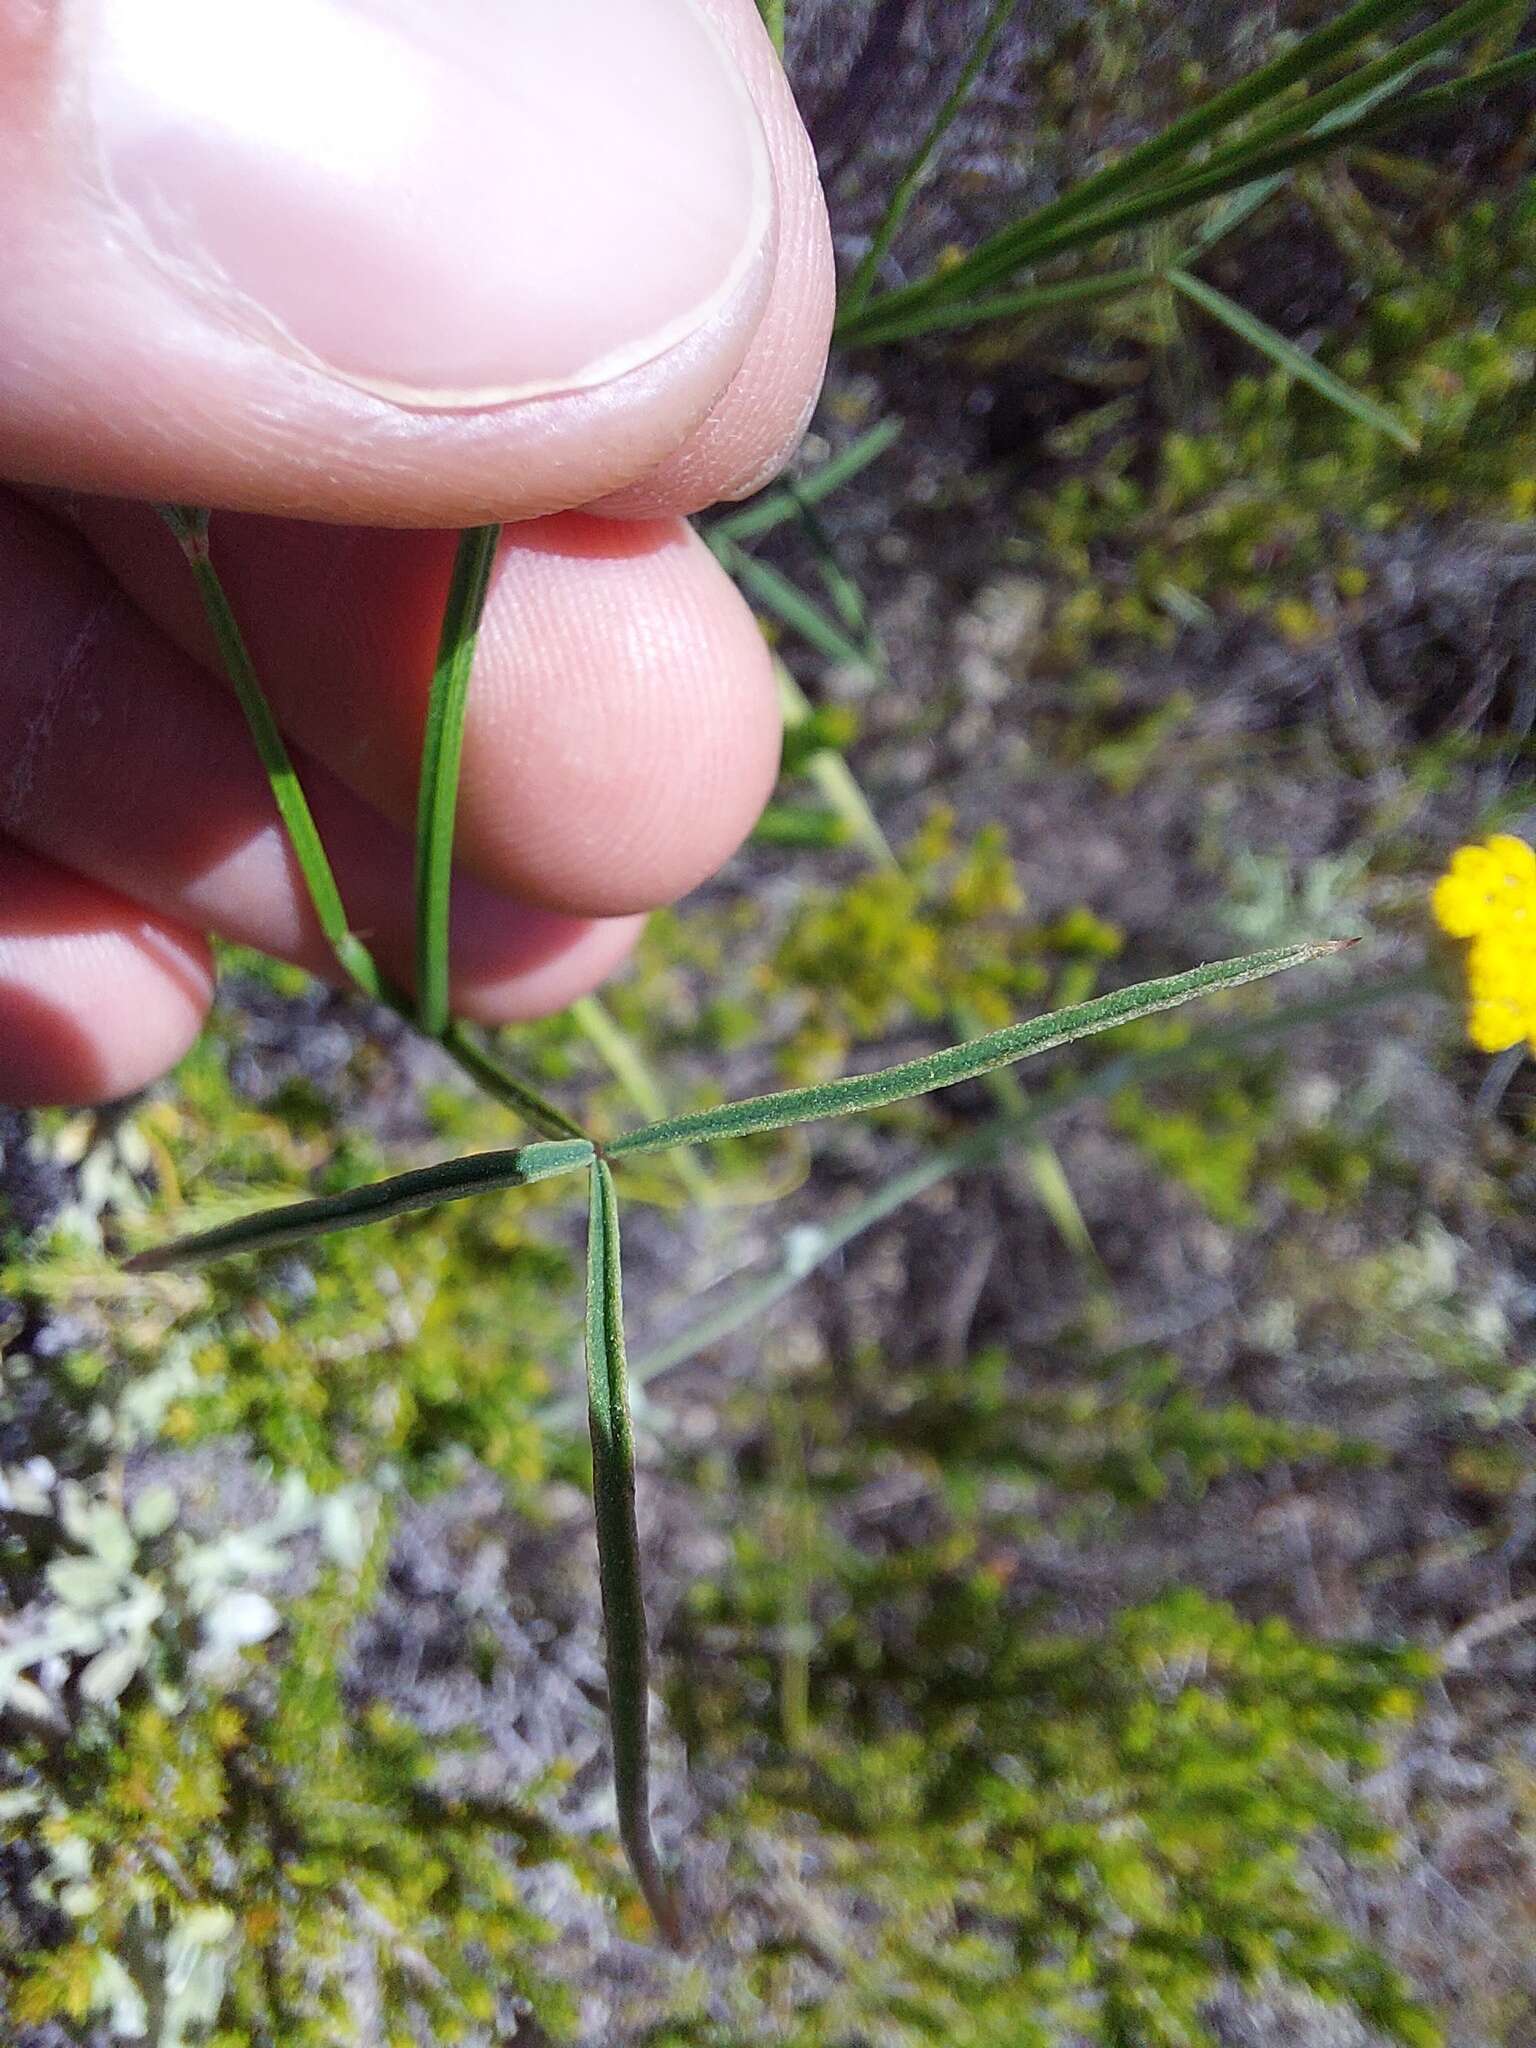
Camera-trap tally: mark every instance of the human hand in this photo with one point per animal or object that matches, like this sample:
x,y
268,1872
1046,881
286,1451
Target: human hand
x,y
364,272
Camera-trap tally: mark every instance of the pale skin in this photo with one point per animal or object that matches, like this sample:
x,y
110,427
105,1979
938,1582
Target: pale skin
x,y
353,348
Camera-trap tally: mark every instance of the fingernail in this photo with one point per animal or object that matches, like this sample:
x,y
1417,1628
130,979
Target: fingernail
x,y
452,203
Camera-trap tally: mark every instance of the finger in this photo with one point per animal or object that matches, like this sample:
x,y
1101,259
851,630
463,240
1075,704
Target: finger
x,y
341,259
756,426
98,997
123,761
623,730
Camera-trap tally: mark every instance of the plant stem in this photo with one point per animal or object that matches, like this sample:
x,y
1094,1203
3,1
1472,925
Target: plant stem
x,y
442,755
190,526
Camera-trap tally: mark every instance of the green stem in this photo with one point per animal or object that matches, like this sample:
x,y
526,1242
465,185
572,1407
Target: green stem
x,y
190,526
442,755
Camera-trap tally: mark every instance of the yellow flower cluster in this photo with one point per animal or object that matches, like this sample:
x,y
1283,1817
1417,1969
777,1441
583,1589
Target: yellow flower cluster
x,y
1488,895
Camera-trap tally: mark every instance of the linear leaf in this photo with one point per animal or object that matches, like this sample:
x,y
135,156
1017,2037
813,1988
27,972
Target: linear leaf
x,y
873,331
1064,226
1364,84
618,1549
789,603
1294,361
965,1062
441,755
775,508
807,1248
190,526
843,592
629,1067
482,1173
921,163
834,778
1186,192
1004,252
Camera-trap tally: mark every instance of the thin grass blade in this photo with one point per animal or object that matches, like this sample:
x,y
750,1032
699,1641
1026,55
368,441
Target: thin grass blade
x,y
957,1063
843,592
1187,192
1385,74
482,1173
1068,224
618,1550
1040,300
1293,361
806,1250
916,174
190,526
1004,253
774,508
835,779
789,604
442,753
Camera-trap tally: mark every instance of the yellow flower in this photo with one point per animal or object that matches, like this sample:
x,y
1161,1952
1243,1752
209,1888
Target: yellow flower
x,y
1488,896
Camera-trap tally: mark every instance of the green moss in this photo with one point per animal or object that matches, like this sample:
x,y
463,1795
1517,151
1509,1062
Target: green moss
x,y
1052,1832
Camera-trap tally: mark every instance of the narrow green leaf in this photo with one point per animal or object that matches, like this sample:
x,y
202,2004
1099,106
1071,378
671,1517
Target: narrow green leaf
x,y
1068,224
1365,84
1004,253
915,175
773,12
776,507
618,1550
965,1062
789,603
190,526
843,593
1186,192
482,1173
441,754
806,1249
1294,361
878,327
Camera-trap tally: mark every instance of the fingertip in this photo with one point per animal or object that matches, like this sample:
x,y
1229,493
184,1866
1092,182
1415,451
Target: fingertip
x,y
98,997
581,962
629,701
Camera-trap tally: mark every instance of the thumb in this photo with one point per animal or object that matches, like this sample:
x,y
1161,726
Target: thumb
x,y
409,261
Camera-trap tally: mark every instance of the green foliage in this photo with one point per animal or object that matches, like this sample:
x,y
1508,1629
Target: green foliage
x,y
942,933
1044,1827
1270,497
1054,1832
225,1846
